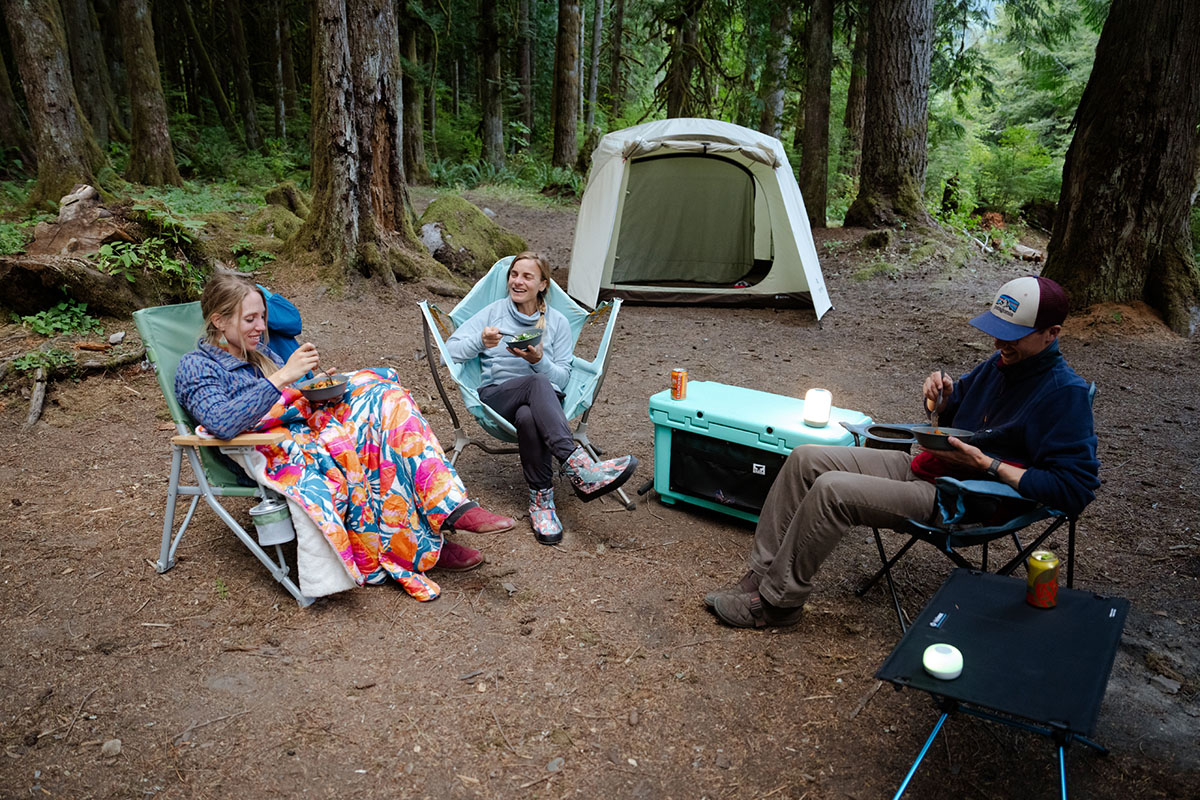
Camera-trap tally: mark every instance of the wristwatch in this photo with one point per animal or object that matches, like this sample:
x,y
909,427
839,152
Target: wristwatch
x,y
993,469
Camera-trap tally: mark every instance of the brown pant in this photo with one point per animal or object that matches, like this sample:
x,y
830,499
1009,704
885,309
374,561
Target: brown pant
x,y
820,494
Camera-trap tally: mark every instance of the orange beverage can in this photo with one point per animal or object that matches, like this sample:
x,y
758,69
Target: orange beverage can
x,y
678,384
1041,587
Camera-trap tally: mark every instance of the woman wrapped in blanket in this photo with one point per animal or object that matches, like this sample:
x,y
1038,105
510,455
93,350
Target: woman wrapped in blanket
x,y
526,385
368,470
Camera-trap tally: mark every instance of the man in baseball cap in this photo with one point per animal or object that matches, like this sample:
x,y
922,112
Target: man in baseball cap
x,y
1032,421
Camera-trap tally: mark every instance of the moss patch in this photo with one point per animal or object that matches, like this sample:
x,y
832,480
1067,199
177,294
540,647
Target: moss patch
x,y
462,237
274,221
288,195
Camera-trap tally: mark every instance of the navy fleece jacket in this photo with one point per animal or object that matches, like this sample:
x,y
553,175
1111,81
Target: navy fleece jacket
x,y
1035,413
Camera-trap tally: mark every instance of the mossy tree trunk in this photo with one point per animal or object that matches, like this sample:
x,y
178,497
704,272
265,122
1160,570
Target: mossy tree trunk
x,y
14,135
775,67
490,86
616,85
814,152
151,159
1121,231
525,72
361,215
416,169
856,106
247,104
564,112
215,90
66,151
87,65
899,52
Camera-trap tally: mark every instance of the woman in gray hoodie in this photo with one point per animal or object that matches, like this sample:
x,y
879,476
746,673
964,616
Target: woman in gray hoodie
x,y
525,386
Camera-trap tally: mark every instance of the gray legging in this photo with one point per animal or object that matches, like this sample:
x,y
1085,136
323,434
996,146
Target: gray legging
x,y
531,404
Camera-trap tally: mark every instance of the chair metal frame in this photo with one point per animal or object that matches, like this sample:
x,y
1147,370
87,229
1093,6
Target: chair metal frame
x,y
587,377
168,333
950,538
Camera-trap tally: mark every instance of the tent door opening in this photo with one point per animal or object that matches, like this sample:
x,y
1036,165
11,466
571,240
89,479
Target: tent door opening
x,y
689,220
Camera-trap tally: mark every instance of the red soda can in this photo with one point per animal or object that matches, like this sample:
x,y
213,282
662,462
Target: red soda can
x,y
678,384
1041,588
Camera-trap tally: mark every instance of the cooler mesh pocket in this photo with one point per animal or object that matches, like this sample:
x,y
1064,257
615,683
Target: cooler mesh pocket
x,y
730,474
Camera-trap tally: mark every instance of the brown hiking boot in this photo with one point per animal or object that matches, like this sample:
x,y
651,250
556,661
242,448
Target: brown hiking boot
x,y
749,610
748,583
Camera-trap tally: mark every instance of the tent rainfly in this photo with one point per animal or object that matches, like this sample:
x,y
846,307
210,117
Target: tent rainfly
x,y
694,211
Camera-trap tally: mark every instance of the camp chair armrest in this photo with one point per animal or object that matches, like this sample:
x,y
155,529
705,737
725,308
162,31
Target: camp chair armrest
x,y
241,440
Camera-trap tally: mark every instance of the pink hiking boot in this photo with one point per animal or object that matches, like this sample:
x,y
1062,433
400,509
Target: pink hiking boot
x,y
546,527
591,478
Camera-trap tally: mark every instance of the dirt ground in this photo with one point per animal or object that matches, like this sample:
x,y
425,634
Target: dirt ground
x,y
590,669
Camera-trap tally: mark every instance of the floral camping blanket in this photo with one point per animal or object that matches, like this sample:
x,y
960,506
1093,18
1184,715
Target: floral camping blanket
x,y
370,473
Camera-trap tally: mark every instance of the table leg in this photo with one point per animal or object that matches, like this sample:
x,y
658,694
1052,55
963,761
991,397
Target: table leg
x,y
1062,770
921,756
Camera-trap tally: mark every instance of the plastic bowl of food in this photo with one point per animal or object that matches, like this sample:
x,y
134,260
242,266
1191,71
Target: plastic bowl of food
x,y
524,340
325,389
932,438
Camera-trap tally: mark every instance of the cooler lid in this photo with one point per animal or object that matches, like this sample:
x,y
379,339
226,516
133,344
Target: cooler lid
x,y
711,403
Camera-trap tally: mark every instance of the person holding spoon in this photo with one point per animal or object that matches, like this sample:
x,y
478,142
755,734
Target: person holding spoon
x,y
525,386
1033,430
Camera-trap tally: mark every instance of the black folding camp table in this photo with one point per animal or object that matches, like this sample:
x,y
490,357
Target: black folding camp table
x,y
1043,670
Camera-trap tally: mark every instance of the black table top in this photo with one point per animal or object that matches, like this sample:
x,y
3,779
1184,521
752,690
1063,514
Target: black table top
x,y
1048,666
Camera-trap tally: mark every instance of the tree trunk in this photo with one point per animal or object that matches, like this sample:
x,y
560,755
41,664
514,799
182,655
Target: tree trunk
x,y
594,73
894,145
216,92
280,109
525,72
814,153
361,216
616,89
247,104
87,65
291,92
566,84
489,84
151,160
415,167
856,106
66,152
1121,231
681,62
775,69
14,135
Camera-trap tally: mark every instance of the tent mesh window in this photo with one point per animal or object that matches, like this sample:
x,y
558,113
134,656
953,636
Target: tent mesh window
x,y
687,220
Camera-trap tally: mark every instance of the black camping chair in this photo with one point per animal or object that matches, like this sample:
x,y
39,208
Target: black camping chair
x,y
963,501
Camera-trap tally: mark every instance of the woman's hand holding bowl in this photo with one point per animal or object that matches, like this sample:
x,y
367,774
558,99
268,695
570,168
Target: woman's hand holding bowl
x,y
531,354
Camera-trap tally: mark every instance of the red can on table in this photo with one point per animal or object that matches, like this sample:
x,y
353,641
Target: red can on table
x,y
1041,588
678,384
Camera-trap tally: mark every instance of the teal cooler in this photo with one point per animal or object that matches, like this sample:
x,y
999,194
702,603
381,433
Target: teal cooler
x,y
722,446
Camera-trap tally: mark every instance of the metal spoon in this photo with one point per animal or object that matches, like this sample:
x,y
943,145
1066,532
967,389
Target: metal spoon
x,y
937,404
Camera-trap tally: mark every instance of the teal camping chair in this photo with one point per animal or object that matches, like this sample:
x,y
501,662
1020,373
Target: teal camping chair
x,y
581,391
169,332
974,514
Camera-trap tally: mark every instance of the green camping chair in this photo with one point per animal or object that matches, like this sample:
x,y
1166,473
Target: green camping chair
x,y
169,332
582,388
